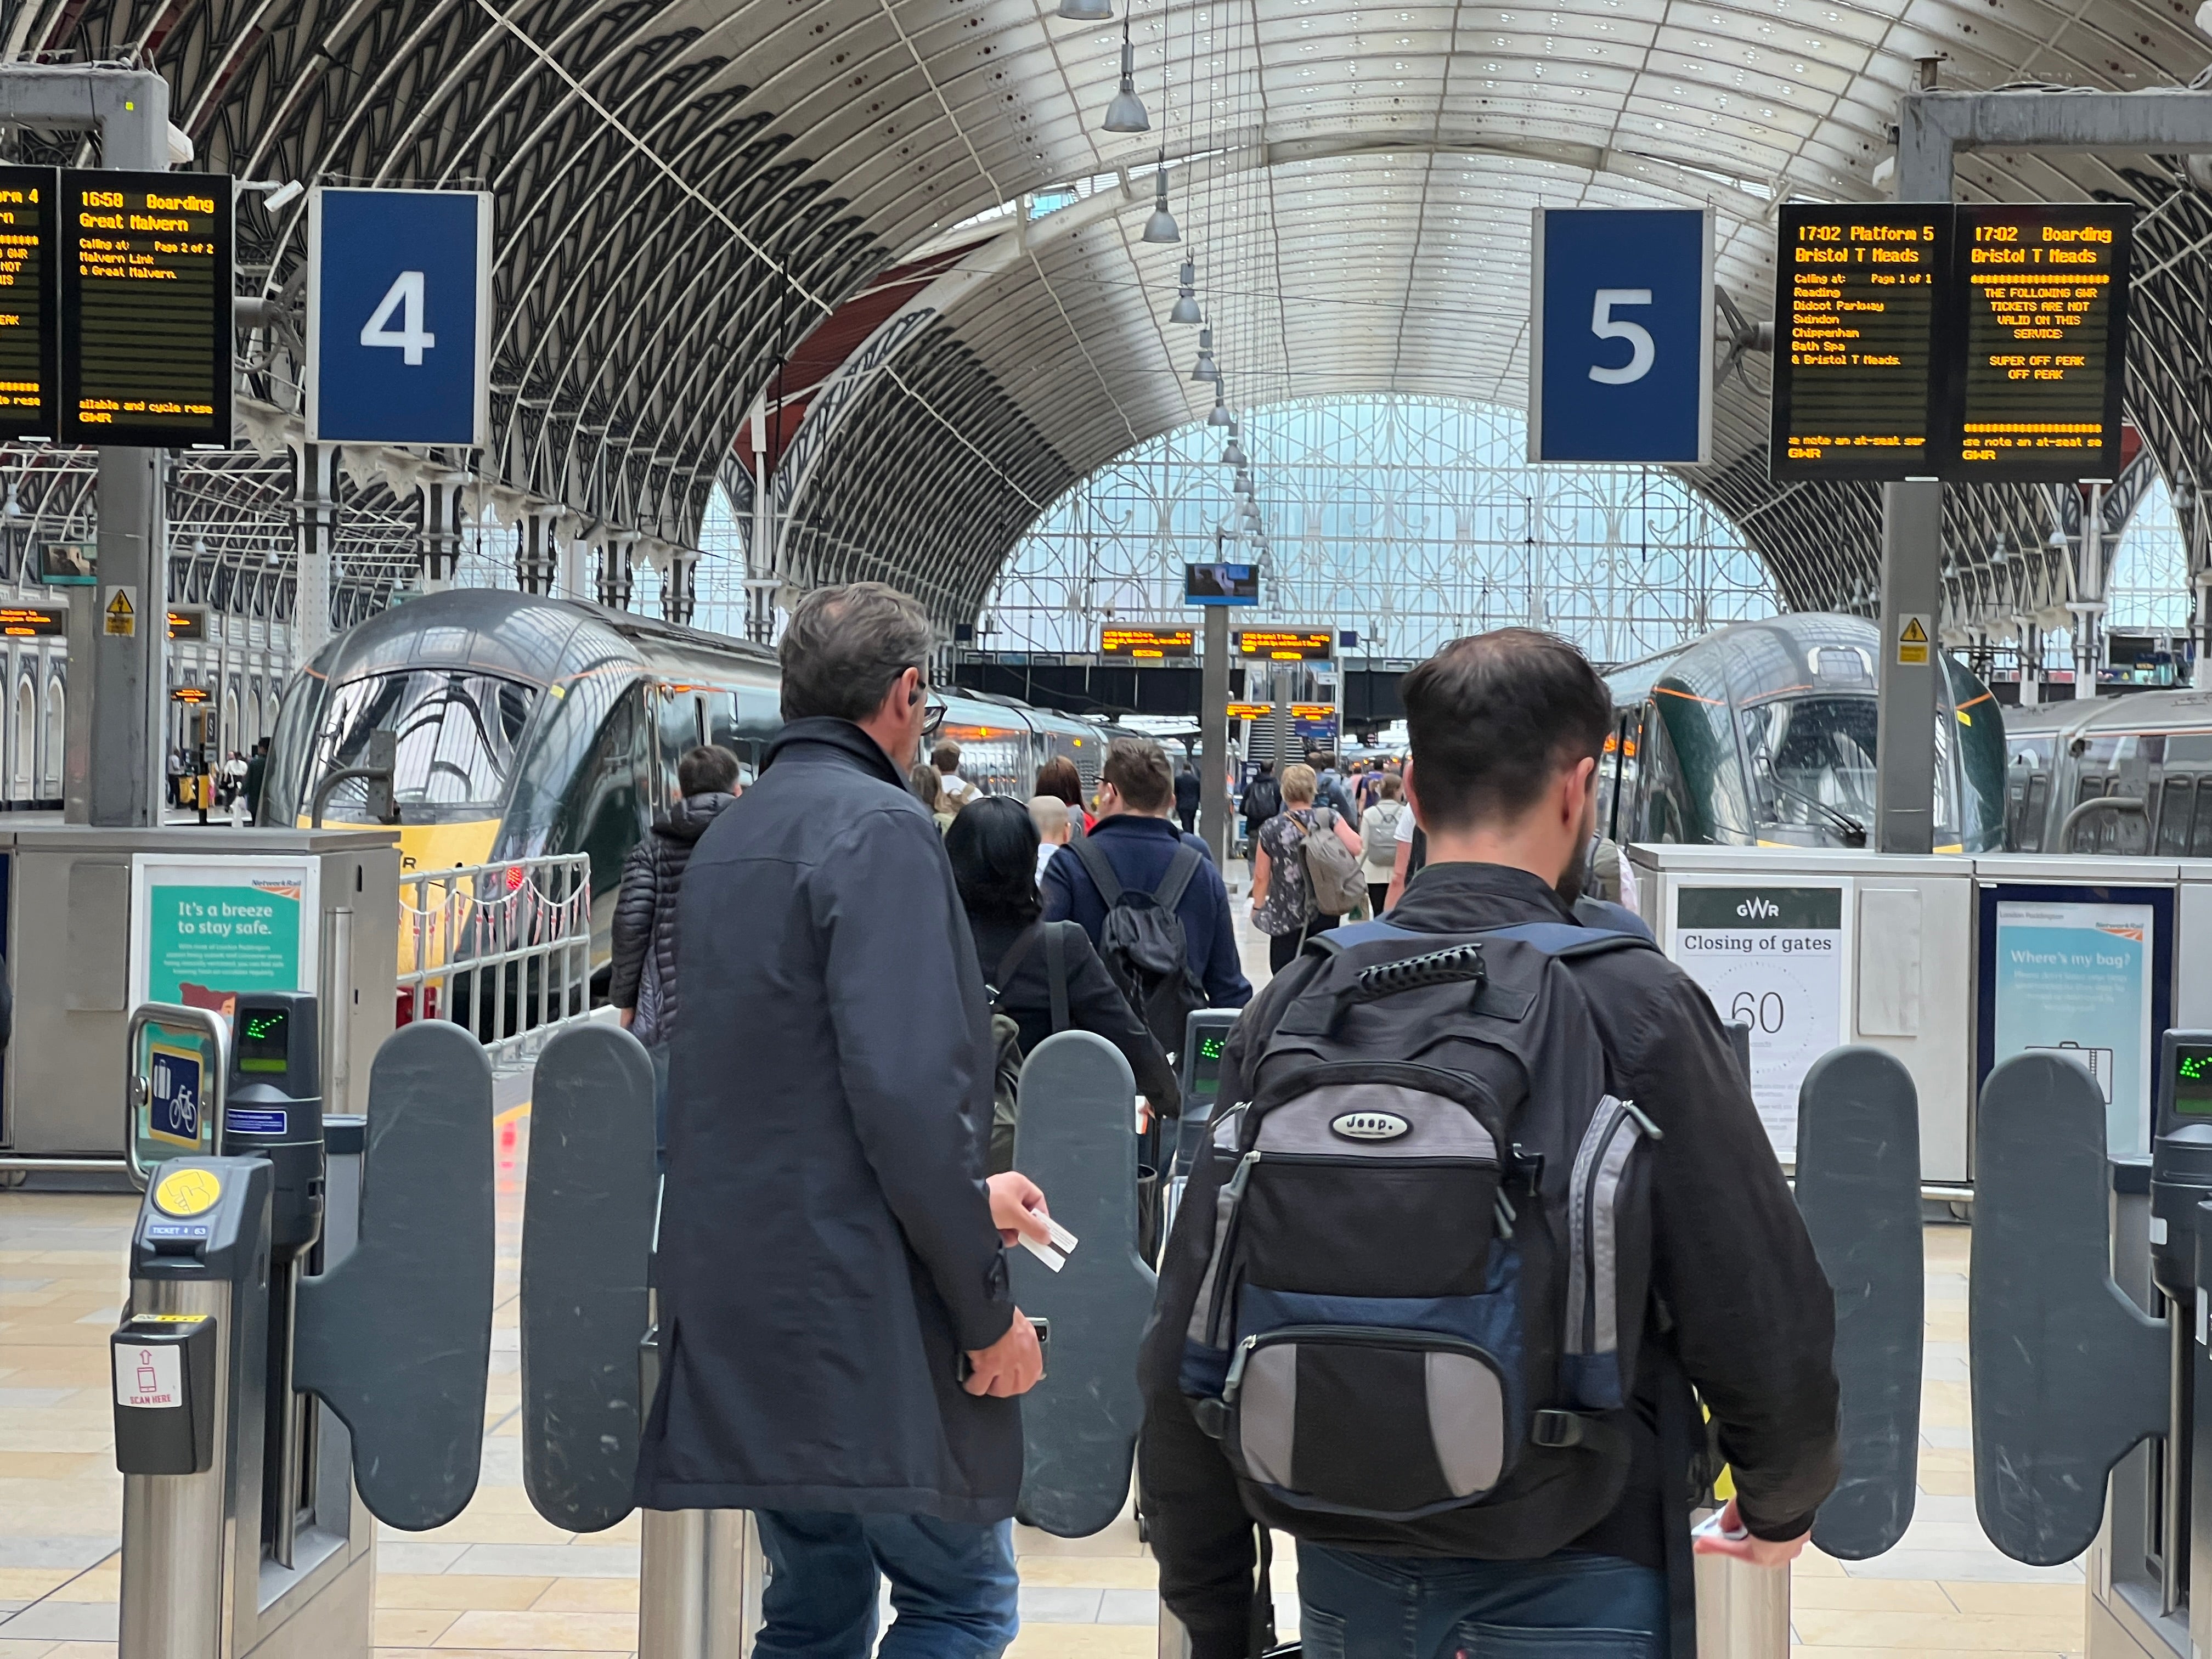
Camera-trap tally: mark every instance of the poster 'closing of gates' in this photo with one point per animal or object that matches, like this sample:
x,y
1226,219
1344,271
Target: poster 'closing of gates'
x,y
1771,958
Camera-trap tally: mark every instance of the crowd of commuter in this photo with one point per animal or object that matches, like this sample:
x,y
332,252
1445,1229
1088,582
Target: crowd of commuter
x,y
841,1352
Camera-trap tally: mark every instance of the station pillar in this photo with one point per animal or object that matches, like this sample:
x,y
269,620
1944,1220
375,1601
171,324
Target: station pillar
x,y
1904,678
1214,736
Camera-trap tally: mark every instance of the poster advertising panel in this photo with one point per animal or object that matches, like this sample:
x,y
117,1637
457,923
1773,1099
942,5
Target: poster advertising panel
x,y
208,928
2084,972
1773,956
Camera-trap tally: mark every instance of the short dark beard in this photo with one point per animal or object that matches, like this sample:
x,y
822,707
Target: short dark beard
x,y
1569,885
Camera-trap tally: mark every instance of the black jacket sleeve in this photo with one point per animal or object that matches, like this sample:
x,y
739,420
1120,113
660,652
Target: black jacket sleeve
x,y
633,924
1753,1314
1095,1003
1199,1531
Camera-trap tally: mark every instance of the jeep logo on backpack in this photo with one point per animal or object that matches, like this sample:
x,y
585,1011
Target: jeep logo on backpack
x,y
1369,1126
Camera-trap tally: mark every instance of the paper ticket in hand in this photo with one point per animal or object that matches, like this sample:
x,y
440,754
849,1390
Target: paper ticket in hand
x,y
1053,1255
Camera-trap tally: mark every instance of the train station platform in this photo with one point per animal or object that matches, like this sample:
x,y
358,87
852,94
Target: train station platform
x,y
501,1581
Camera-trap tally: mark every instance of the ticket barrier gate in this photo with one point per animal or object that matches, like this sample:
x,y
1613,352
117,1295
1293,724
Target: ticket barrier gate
x,y
2089,1404
588,1224
308,1331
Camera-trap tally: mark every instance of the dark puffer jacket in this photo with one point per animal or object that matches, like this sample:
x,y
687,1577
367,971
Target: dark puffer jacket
x,y
644,917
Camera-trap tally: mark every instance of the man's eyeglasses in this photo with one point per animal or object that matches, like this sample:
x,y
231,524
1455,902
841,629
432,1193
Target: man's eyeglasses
x,y
933,717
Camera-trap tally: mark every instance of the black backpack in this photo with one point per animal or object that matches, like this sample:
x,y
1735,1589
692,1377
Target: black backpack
x,y
1142,943
1428,1265
1263,798
1006,1035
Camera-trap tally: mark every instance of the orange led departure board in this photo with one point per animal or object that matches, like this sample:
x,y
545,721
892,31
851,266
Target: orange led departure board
x,y
146,302
1287,644
1147,644
2041,300
24,622
29,328
1854,375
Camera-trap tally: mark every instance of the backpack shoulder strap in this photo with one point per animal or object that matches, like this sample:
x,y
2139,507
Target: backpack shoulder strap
x,y
1055,970
1169,894
1012,959
1567,939
1093,858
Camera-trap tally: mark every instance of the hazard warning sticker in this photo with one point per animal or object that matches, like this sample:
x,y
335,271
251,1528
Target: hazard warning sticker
x,y
1912,640
119,613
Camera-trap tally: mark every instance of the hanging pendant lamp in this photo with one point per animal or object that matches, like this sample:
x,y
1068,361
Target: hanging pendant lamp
x,y
1221,416
1127,113
1186,310
1233,453
1161,227
1205,369
1085,11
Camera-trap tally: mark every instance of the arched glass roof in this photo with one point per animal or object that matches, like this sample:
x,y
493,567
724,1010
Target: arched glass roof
x,y
693,198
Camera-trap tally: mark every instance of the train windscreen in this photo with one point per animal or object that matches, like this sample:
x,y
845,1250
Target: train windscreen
x,y
457,735
1812,768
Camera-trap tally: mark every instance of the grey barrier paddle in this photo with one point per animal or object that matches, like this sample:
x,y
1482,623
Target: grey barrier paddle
x,y
587,1243
396,1338
1858,1189
2068,1374
1075,1139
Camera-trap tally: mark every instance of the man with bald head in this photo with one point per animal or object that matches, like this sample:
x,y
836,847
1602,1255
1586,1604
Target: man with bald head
x,y
1049,814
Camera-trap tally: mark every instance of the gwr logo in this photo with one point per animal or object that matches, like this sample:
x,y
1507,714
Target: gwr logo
x,y
1758,910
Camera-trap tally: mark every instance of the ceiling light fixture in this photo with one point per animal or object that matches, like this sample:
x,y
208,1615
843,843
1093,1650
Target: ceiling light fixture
x,y
1186,310
1221,416
1205,369
1233,455
1161,227
1127,113
1085,11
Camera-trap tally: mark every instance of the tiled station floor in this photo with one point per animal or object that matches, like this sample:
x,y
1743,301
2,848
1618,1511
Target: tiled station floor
x,y
499,1581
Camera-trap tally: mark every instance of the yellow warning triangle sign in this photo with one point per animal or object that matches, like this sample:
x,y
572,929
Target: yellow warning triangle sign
x,y
1914,633
119,606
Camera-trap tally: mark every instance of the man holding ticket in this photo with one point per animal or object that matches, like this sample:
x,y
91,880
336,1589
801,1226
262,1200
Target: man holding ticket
x,y
841,1347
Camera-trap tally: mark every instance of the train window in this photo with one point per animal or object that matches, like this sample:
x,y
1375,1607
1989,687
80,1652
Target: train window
x,y
1812,768
2200,830
2176,795
457,736
2029,837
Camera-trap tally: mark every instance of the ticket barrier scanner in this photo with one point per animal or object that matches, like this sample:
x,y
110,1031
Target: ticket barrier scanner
x,y
247,1505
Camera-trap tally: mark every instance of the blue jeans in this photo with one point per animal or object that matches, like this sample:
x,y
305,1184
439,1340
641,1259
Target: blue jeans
x,y
1572,1605
952,1586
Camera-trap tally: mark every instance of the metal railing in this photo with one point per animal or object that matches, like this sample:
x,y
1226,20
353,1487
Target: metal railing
x,y
502,949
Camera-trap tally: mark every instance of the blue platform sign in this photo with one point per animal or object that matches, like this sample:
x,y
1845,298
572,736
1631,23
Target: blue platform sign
x,y
1620,367
398,317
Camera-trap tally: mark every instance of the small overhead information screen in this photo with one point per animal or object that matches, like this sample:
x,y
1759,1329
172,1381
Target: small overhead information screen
x,y
30,330
2040,295
146,314
1855,376
1146,644
1221,584
1287,644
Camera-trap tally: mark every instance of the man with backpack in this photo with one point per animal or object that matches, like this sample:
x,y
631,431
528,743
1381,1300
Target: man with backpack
x,y
1494,1200
1263,798
1150,898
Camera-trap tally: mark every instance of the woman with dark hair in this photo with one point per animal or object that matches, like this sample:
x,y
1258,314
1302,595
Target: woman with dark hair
x,y
1058,777
992,844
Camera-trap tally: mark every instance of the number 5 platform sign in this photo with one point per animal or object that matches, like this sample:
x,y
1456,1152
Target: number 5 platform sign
x,y
398,317
1621,358
1771,958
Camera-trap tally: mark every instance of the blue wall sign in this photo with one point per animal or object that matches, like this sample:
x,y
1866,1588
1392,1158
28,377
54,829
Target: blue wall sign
x,y
398,317
1620,367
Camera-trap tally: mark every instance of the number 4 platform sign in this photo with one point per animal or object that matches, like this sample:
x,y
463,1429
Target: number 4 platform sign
x,y
398,317
1770,957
